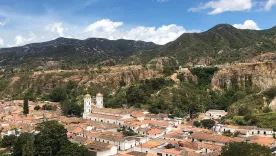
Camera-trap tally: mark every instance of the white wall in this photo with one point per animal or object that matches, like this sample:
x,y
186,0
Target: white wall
x,y
112,151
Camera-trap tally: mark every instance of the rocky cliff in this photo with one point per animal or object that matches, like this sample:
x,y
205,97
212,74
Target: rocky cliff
x,y
44,82
260,76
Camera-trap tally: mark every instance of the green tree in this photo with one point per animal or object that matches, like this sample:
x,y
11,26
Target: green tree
x,y
26,106
246,149
135,96
8,140
71,108
74,150
196,123
28,148
207,123
228,133
37,107
51,137
58,94
181,77
22,140
169,146
270,93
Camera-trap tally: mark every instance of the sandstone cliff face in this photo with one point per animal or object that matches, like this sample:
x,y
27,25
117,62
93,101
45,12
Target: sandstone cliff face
x,y
127,76
46,81
260,76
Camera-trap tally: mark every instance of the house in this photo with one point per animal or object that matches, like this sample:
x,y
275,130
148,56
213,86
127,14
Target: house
x,y
155,133
147,147
215,114
171,152
245,131
214,139
208,148
122,142
102,149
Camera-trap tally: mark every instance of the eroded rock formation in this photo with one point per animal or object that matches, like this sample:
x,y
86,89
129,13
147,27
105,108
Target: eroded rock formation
x,y
260,76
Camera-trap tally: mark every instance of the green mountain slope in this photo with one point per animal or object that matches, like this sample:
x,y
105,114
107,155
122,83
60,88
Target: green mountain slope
x,y
223,43
71,53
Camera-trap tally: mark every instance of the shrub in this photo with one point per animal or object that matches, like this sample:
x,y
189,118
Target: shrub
x,y
37,107
207,123
196,123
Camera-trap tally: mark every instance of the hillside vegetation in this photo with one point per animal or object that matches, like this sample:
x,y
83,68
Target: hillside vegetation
x,y
222,43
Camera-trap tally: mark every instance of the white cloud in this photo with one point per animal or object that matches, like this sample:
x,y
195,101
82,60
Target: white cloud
x,y
161,35
220,6
248,24
56,28
103,25
20,40
1,42
270,4
4,23
111,30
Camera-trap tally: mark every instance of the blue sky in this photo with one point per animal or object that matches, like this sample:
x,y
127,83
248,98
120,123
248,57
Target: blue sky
x,y
159,21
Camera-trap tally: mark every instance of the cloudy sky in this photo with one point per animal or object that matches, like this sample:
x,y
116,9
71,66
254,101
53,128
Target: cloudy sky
x,y
159,21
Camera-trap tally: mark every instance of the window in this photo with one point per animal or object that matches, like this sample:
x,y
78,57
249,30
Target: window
x,y
258,132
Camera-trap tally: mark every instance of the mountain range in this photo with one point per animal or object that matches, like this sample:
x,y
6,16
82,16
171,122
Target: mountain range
x,y
220,44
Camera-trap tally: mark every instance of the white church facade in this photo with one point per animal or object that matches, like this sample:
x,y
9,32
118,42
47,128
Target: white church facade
x,y
88,104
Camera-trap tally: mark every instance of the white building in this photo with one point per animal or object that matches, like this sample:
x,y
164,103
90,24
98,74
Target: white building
x,y
215,114
102,149
99,100
87,105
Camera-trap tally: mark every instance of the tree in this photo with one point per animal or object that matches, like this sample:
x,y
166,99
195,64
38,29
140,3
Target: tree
x,y
247,149
207,123
26,106
37,107
181,77
58,94
75,150
51,137
135,96
270,93
49,107
228,133
27,140
28,148
128,132
169,146
8,140
196,123
71,108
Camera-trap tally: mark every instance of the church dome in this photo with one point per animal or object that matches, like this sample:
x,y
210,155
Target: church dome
x,y
99,95
87,96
